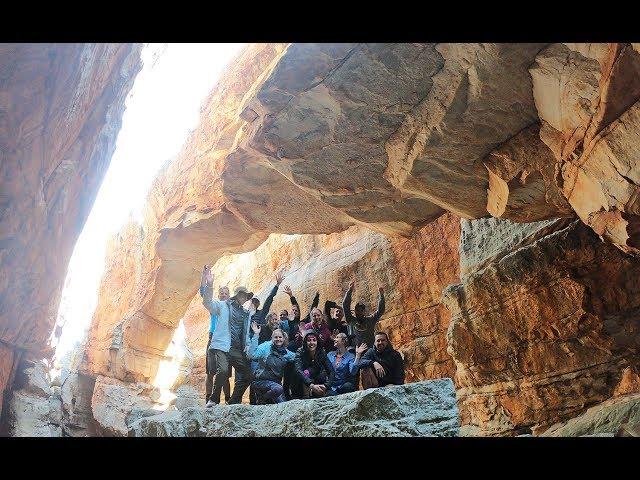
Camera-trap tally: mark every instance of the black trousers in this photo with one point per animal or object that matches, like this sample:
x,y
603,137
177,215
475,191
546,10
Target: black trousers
x,y
225,360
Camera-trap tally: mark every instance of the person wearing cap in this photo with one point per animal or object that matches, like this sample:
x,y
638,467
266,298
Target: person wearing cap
x,y
363,325
230,341
312,369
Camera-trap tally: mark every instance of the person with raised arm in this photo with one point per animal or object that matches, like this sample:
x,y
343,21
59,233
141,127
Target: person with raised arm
x,y
260,315
230,340
210,367
296,324
363,325
343,365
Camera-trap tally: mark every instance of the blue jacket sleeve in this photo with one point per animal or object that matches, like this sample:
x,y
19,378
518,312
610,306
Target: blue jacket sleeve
x,y
366,360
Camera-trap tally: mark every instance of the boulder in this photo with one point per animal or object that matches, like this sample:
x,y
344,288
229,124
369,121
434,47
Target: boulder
x,y
113,400
616,416
417,409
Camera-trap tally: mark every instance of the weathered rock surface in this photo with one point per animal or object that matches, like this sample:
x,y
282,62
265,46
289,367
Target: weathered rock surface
x,y
60,111
320,138
343,134
418,409
35,410
619,415
113,400
586,96
543,332
76,393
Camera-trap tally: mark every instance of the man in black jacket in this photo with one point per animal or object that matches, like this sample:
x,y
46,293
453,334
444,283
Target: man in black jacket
x,y
260,316
362,325
381,365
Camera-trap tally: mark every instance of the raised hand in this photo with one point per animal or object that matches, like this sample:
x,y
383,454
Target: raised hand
x,y
255,327
279,277
287,290
207,276
361,349
352,284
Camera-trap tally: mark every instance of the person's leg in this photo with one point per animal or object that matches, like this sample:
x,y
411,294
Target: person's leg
x,y
243,375
269,390
222,370
210,369
346,387
369,379
226,388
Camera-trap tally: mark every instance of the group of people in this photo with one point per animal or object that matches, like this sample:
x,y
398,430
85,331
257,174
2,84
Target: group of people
x,y
283,357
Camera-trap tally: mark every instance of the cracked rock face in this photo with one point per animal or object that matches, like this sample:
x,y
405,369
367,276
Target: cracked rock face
x,y
60,111
544,331
319,138
418,409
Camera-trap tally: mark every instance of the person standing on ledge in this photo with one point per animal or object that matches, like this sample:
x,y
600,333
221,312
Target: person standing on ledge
x,y
223,296
381,365
230,341
363,325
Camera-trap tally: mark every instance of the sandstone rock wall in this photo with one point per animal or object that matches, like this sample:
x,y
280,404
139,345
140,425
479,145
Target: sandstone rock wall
x,y
543,332
311,139
60,111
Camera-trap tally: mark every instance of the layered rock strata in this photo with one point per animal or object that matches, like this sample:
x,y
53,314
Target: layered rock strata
x,y
419,409
60,111
543,331
315,139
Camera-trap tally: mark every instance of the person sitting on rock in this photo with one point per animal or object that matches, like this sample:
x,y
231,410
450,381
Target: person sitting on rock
x,y
230,341
363,325
380,365
223,296
313,371
343,364
271,360
260,315
295,323
319,325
